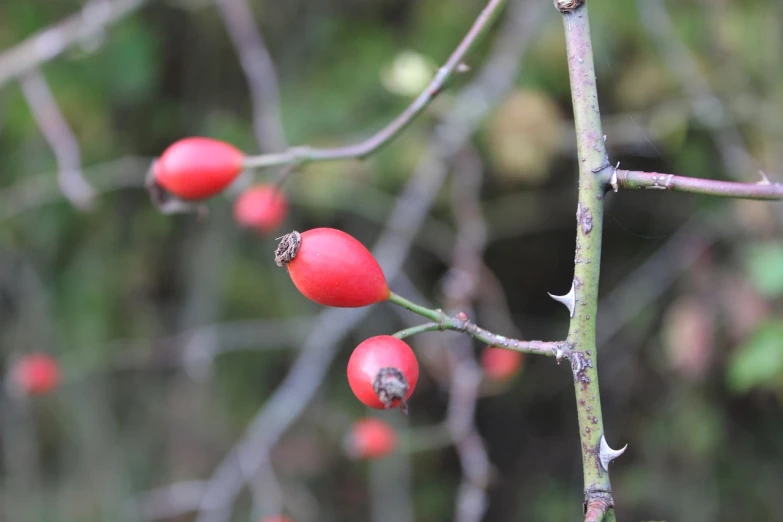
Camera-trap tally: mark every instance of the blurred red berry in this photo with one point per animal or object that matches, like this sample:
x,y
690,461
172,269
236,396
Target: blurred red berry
x,y
36,374
500,364
370,438
332,268
383,372
197,168
262,207
276,518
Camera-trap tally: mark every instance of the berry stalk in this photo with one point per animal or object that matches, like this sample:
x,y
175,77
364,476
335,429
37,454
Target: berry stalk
x,y
461,323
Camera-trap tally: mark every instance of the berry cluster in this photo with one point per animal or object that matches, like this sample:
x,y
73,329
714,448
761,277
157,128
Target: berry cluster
x,y
327,266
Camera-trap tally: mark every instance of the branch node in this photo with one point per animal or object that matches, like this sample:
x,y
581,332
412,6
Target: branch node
x,y
568,6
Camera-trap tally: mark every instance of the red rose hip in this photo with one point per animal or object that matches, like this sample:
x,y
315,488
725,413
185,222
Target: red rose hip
x,y
262,208
36,374
383,372
370,438
332,268
500,364
197,168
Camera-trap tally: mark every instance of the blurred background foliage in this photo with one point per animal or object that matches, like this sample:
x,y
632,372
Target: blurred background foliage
x,y
691,329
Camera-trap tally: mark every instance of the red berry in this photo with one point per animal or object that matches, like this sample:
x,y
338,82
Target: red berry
x,y
500,364
332,268
262,207
36,374
370,438
197,168
277,518
383,372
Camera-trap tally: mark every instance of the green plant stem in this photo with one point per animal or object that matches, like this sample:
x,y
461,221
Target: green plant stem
x,y
594,173
303,154
461,323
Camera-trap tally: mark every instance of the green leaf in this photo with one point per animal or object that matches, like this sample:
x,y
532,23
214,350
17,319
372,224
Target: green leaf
x,y
758,363
764,263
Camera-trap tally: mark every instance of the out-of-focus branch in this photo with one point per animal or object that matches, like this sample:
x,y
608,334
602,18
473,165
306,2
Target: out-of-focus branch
x,y
60,137
49,43
300,155
259,71
706,107
39,190
290,399
634,179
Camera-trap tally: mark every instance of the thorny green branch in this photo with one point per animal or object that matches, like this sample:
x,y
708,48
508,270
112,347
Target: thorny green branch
x,y
304,154
594,177
461,323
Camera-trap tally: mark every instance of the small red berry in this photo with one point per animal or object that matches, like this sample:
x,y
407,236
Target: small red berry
x,y
332,268
370,438
197,168
36,374
262,207
500,364
277,518
383,372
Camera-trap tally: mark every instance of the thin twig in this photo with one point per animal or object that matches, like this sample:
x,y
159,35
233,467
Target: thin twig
x,y
49,43
60,137
300,155
634,179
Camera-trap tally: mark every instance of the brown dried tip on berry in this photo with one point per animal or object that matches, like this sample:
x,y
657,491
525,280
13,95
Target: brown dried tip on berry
x,y
568,6
288,248
389,385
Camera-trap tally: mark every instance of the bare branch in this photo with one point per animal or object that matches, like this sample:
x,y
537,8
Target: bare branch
x,y
259,71
634,179
60,137
49,43
299,155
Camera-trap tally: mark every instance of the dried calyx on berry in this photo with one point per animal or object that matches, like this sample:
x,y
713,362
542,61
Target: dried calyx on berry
x,y
383,372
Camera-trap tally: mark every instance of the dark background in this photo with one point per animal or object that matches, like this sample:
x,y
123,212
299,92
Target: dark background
x,y
690,329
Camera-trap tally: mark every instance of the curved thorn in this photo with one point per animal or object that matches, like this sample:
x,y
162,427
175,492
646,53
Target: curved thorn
x,y
568,300
608,454
764,179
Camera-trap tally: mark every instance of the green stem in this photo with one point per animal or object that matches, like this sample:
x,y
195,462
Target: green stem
x,y
461,323
594,176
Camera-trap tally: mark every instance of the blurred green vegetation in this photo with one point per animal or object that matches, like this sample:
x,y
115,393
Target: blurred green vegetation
x,y
693,382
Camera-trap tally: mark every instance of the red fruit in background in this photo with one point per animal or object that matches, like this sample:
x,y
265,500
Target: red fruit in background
x,y
197,168
36,374
500,364
370,438
332,268
383,372
262,207
276,518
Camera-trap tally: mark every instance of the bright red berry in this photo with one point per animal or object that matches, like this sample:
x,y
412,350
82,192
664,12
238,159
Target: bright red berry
x,y
197,168
332,268
370,438
383,372
500,364
262,207
36,374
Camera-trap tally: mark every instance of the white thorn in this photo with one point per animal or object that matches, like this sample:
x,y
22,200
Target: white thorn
x,y
569,300
608,454
764,179
613,179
